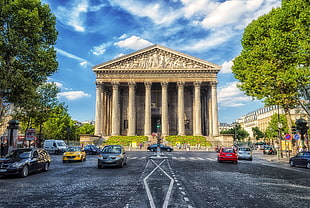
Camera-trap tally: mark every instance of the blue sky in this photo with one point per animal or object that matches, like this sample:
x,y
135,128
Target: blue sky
x,y
95,31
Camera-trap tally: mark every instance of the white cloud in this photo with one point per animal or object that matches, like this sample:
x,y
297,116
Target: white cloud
x,y
226,67
159,13
73,13
84,64
82,61
134,43
58,84
231,96
99,50
123,36
73,95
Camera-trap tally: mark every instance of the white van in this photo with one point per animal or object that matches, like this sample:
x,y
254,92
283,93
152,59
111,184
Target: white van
x,y
55,146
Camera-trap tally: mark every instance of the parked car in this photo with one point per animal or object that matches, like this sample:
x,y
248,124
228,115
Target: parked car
x,y
22,162
227,154
55,146
74,154
91,149
112,155
269,151
245,153
153,148
301,159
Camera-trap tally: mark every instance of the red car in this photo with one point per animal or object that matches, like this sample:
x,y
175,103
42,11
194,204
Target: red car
x,y
227,154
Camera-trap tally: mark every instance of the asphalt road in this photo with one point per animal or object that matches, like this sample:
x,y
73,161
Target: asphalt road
x,y
177,179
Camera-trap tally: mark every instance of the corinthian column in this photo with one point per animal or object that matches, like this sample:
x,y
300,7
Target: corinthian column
x,y
181,108
98,121
164,108
147,111
214,119
115,110
197,110
131,110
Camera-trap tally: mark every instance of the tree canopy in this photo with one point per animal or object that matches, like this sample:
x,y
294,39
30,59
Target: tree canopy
x,y
27,55
274,63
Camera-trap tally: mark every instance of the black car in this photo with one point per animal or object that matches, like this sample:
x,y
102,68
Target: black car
x,y
301,159
270,151
91,149
153,148
24,161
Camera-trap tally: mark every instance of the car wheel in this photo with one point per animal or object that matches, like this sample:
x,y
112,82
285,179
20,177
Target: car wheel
x,y
236,162
25,171
121,165
64,161
308,165
46,166
168,150
85,158
251,159
99,166
292,164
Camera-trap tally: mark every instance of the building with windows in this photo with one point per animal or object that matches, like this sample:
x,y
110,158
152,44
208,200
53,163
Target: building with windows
x,y
261,117
156,89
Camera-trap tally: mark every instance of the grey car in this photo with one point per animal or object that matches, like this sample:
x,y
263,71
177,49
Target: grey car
x,y
245,153
112,155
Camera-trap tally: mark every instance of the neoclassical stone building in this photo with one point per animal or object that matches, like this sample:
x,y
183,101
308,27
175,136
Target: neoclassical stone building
x,y
156,85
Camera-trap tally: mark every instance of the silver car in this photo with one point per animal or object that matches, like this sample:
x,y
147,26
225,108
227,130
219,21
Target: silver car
x,y
245,153
112,155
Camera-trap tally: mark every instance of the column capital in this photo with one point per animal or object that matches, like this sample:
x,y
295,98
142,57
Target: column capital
x,y
213,84
115,85
131,84
180,83
164,84
148,85
197,83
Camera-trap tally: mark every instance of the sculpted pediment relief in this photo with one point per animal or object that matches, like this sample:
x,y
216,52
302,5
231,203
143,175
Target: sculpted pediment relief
x,y
157,57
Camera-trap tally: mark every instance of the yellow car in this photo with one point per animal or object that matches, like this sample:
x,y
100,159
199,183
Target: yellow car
x,y
74,154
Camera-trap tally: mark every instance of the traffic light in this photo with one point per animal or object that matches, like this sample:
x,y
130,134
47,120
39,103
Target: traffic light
x,y
294,130
158,124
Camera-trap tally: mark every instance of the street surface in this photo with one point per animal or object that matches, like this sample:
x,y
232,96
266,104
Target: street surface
x,y
177,179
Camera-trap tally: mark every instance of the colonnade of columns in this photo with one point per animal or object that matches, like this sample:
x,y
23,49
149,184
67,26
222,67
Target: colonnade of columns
x,y
102,102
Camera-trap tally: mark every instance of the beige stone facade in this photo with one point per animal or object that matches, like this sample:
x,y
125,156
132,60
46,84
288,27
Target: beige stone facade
x,y
156,84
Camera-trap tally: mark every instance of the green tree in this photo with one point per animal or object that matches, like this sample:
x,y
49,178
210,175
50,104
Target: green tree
x,y
59,125
276,124
86,129
37,109
239,133
274,62
27,55
257,133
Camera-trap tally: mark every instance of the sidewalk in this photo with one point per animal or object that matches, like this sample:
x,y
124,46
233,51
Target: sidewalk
x,y
272,158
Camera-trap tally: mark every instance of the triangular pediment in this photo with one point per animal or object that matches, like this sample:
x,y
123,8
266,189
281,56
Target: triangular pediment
x,y
157,57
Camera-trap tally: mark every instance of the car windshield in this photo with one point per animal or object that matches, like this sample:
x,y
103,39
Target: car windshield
x,y
228,150
111,149
244,149
19,154
61,144
73,149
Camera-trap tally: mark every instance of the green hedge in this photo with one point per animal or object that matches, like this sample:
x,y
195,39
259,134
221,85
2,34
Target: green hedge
x,y
125,140
191,140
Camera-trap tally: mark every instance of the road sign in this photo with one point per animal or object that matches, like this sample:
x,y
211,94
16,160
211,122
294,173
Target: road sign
x,y
288,136
296,136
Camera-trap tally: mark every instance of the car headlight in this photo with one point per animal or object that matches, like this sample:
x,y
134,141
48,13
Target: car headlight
x,y
17,164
